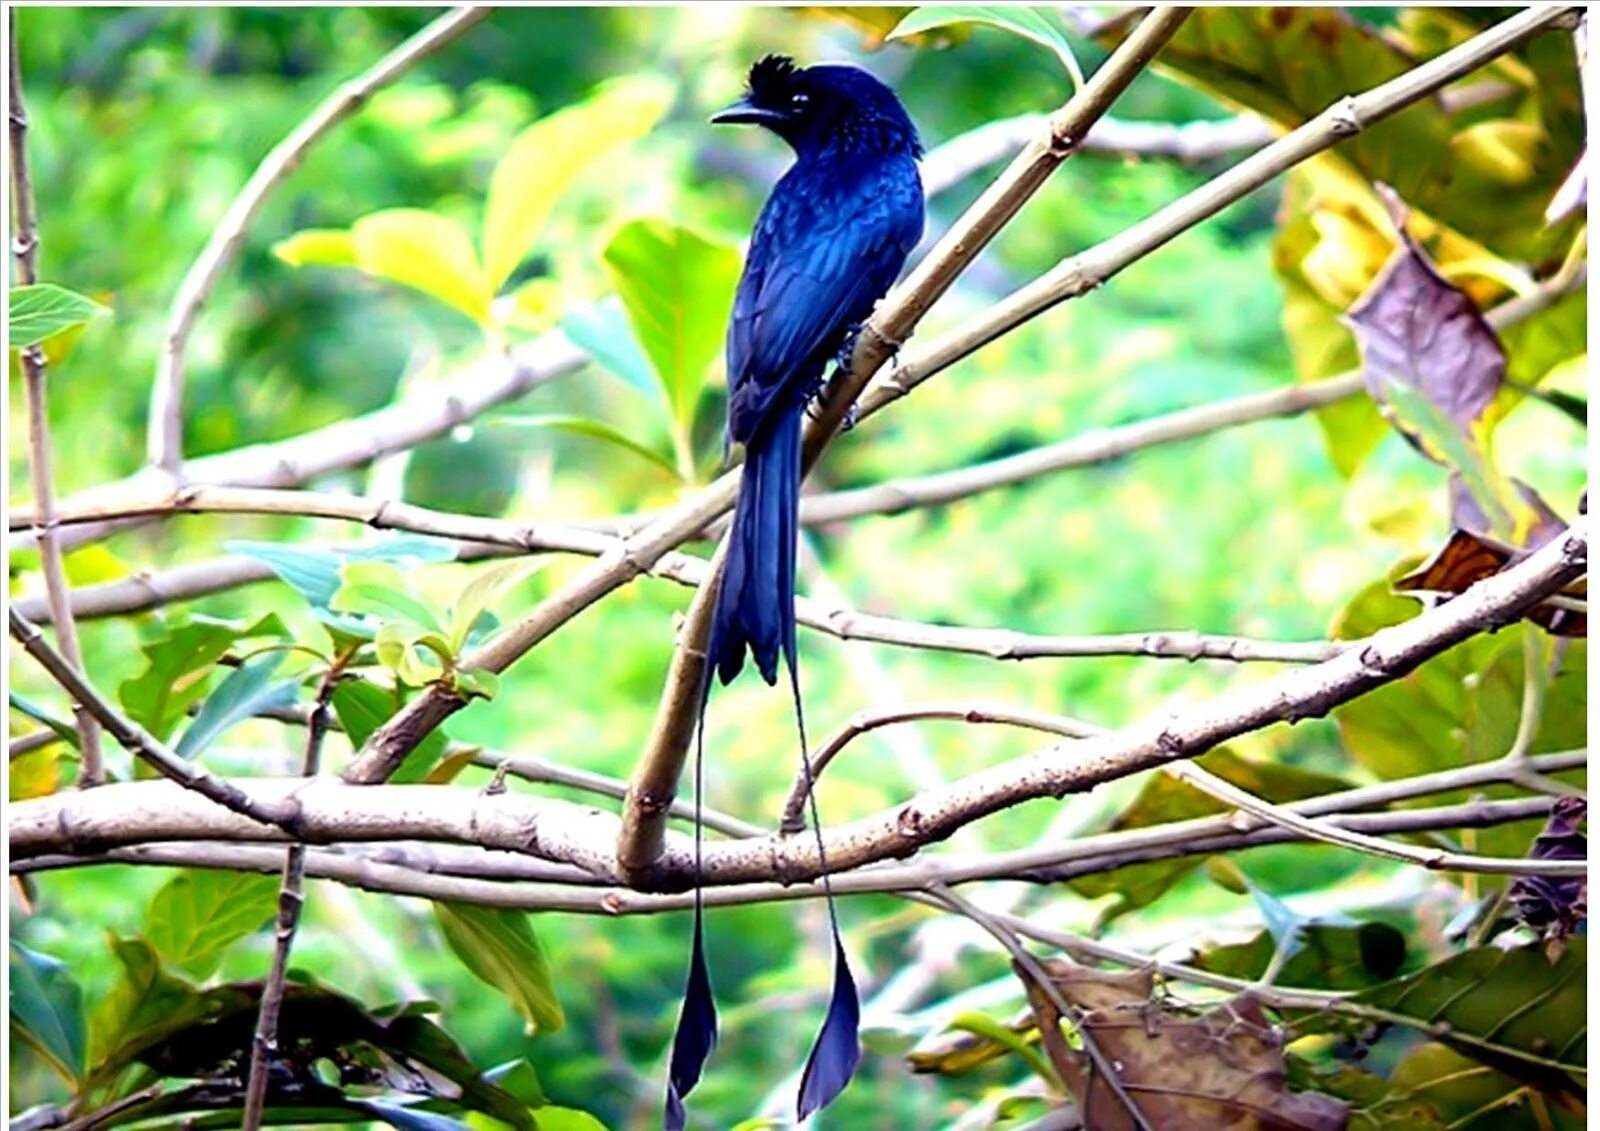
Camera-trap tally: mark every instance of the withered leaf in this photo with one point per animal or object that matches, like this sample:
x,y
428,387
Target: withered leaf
x,y
1555,906
1468,558
1224,1068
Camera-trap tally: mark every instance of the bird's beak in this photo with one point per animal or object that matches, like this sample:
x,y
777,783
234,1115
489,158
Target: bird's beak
x,y
744,112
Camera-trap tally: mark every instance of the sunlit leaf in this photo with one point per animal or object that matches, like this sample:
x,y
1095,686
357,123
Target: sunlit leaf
x,y
677,287
314,572
320,247
46,1009
594,429
982,1025
42,310
535,306
547,157
552,1118
199,913
244,693
176,665
429,252
488,585
380,589
501,949
1030,23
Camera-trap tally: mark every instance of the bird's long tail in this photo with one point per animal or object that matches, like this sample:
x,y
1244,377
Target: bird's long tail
x,y
755,610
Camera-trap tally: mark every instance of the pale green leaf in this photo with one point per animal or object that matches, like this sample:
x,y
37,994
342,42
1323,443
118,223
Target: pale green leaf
x,y
602,329
1030,23
245,693
46,1009
43,310
551,1118
483,590
198,914
500,948
547,157
533,307
320,247
427,251
379,589
677,287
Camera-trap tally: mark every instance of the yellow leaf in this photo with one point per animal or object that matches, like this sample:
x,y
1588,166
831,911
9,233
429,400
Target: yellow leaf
x,y
548,156
535,306
427,251
322,247
1502,150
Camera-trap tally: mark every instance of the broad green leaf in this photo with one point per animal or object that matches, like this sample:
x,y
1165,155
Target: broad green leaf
x,y
429,252
1164,799
595,429
38,714
519,1079
547,157
38,773
500,948
416,655
603,330
552,1118
1329,956
379,589
199,913
1376,1104
56,348
46,1009
1512,1009
42,310
314,573
677,287
321,247
363,707
1475,1097
245,693
147,1005
488,584
1030,23
176,666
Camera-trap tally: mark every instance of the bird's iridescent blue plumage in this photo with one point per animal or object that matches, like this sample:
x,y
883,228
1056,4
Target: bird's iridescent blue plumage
x,y
831,239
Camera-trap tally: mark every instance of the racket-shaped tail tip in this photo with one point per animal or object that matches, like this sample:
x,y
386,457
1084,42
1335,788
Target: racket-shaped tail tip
x,y
696,1035
838,1049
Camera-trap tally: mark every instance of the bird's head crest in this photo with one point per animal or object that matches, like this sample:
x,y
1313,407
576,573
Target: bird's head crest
x,y
771,79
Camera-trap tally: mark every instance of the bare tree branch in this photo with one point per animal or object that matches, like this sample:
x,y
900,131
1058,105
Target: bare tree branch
x,y
165,446
25,246
264,1043
569,834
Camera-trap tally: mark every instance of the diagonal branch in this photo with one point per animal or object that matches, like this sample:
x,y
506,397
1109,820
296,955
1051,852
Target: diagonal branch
x,y
165,441
25,245
139,743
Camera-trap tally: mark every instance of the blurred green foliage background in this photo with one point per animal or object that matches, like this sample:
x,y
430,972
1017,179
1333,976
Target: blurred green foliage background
x,y
145,122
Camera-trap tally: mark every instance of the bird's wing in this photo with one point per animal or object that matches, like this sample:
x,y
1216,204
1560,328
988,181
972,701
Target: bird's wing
x,y
818,261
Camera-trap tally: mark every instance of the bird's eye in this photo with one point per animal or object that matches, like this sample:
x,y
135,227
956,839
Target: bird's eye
x,y
799,101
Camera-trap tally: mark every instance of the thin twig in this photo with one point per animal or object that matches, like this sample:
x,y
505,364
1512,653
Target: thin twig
x,y
136,741
264,1043
25,245
165,441
661,763
874,718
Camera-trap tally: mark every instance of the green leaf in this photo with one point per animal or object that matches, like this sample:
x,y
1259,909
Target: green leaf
x,y
429,252
551,1118
536,305
314,573
485,588
410,1117
677,287
1475,1097
245,693
46,1006
42,310
602,329
199,913
545,159
176,665
1513,1010
500,948
1030,23
321,247
379,589
416,655
363,707
982,1025
595,429
1329,956
66,731
519,1079
147,1005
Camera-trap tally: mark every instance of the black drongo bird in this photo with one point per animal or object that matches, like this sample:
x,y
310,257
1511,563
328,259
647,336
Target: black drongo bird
x,y
830,240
